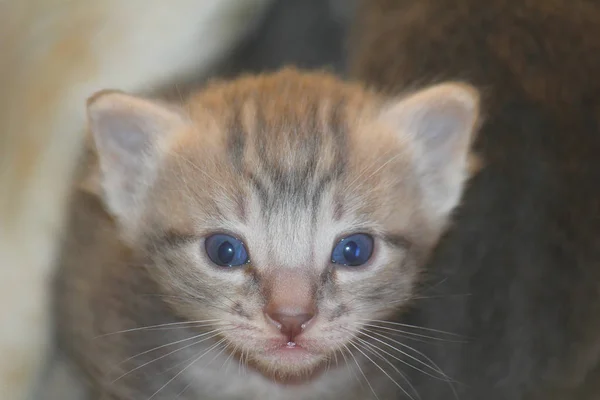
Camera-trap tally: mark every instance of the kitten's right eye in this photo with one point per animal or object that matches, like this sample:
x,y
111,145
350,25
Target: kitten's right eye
x,y
226,251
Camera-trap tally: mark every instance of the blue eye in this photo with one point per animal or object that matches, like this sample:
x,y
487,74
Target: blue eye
x,y
353,250
226,251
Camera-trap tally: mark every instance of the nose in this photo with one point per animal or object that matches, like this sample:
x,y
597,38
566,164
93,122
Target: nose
x,y
291,323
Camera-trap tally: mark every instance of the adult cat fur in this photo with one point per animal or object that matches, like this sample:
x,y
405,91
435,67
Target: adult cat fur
x,y
519,271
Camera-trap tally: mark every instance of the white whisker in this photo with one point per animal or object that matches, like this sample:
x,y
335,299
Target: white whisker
x,y
207,321
433,366
335,357
382,370
184,361
413,327
246,361
436,369
413,334
183,370
220,352
445,378
352,185
376,351
184,390
441,296
165,355
351,369
362,373
169,344
226,362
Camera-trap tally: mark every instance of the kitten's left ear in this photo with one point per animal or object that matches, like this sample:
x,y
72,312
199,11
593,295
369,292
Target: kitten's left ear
x,y
127,132
439,123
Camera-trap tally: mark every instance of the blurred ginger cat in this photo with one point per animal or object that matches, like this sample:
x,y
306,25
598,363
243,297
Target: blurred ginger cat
x,y
54,53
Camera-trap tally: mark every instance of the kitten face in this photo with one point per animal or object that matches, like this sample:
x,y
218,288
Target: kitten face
x,y
290,209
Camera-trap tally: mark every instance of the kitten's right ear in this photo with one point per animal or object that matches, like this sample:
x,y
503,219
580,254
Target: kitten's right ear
x,y
440,123
127,132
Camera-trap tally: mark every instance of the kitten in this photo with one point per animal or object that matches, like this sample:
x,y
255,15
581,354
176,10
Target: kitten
x,y
53,54
257,241
519,271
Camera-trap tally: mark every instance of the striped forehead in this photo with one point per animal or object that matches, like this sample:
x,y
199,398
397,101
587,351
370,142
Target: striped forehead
x,y
275,155
291,155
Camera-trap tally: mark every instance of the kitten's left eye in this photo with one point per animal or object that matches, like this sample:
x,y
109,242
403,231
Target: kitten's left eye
x,y
353,250
226,251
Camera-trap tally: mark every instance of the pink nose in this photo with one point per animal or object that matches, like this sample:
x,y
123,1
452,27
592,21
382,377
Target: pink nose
x,y
291,324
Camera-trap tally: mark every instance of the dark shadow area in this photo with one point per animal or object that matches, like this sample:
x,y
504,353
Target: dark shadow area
x,y
308,34
305,33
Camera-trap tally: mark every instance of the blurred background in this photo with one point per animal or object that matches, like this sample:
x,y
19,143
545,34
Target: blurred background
x,y
303,33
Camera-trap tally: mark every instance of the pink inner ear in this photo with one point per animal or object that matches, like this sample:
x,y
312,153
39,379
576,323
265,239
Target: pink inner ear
x,y
440,121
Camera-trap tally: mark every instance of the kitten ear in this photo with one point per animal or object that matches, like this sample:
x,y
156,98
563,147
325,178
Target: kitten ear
x,y
127,132
440,123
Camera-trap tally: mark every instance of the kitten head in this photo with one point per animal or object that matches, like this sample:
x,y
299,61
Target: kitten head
x,y
288,209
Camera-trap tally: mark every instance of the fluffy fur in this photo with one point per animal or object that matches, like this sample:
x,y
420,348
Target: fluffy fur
x,y
518,272
53,55
290,163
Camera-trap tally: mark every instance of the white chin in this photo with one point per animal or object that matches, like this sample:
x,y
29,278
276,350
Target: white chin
x,y
289,363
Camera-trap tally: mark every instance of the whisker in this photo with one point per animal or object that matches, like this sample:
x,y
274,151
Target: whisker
x,y
241,365
382,166
436,369
164,355
413,334
186,360
359,178
335,357
184,390
240,362
181,327
381,369
392,365
433,366
376,350
352,369
246,361
445,378
194,356
219,353
441,296
430,286
404,336
413,327
207,321
226,362
169,344
183,370
361,372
